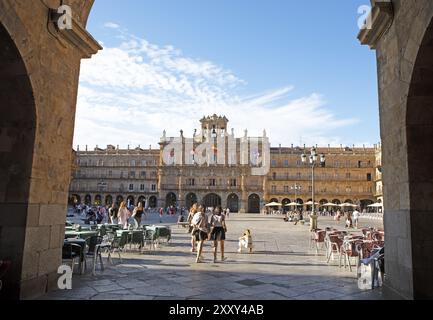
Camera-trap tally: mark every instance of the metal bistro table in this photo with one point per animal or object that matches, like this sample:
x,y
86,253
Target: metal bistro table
x,y
80,234
131,237
161,232
82,244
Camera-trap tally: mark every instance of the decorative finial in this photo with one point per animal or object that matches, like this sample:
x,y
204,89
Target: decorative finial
x,y
181,133
264,133
246,133
233,132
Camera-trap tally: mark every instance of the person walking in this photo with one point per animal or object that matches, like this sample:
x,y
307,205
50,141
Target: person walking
x,y
356,218
138,213
200,224
218,232
123,215
191,214
112,212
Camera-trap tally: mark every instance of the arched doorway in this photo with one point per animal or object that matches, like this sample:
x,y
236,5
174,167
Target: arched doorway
x,y
108,200
365,203
74,199
254,203
170,200
98,200
130,201
17,137
233,202
142,200
348,201
88,200
119,200
212,200
284,203
190,200
336,201
153,202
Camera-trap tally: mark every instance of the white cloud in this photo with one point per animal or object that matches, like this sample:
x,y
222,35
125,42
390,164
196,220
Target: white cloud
x,y
129,94
111,25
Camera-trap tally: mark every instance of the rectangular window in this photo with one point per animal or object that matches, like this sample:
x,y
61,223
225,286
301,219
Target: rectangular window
x,y
132,174
143,174
131,187
141,187
286,163
369,177
212,182
153,187
133,163
298,163
143,163
274,189
110,173
274,163
299,175
286,189
274,176
233,183
190,182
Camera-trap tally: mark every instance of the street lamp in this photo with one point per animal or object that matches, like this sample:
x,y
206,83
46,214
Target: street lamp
x,y
296,188
314,161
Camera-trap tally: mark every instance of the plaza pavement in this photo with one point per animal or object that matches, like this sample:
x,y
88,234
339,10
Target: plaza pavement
x,y
282,267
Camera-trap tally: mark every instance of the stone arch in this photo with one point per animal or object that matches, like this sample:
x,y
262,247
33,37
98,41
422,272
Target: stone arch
x,y
170,199
74,199
98,200
212,200
285,201
254,203
153,202
88,200
142,200
130,200
419,133
119,199
233,202
108,200
336,201
190,200
364,203
17,139
39,82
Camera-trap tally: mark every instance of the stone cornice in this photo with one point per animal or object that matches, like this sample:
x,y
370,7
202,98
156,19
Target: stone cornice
x,y
77,36
381,16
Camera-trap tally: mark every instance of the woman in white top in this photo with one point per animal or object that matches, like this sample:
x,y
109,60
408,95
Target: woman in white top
x,y
123,215
200,225
218,232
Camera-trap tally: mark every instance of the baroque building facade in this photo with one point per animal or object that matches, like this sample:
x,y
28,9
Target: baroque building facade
x,y
216,168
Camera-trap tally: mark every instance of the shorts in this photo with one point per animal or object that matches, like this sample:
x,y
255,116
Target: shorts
x,y
200,235
218,234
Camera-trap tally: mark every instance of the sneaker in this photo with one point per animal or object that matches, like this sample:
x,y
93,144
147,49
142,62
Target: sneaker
x,y
240,250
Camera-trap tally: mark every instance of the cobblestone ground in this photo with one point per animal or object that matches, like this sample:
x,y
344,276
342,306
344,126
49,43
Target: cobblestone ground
x,y
282,267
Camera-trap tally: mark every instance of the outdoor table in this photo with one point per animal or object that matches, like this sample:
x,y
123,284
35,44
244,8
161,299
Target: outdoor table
x,y
130,236
161,232
80,234
82,243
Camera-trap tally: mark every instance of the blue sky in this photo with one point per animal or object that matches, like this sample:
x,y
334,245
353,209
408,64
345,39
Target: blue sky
x,y
294,68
